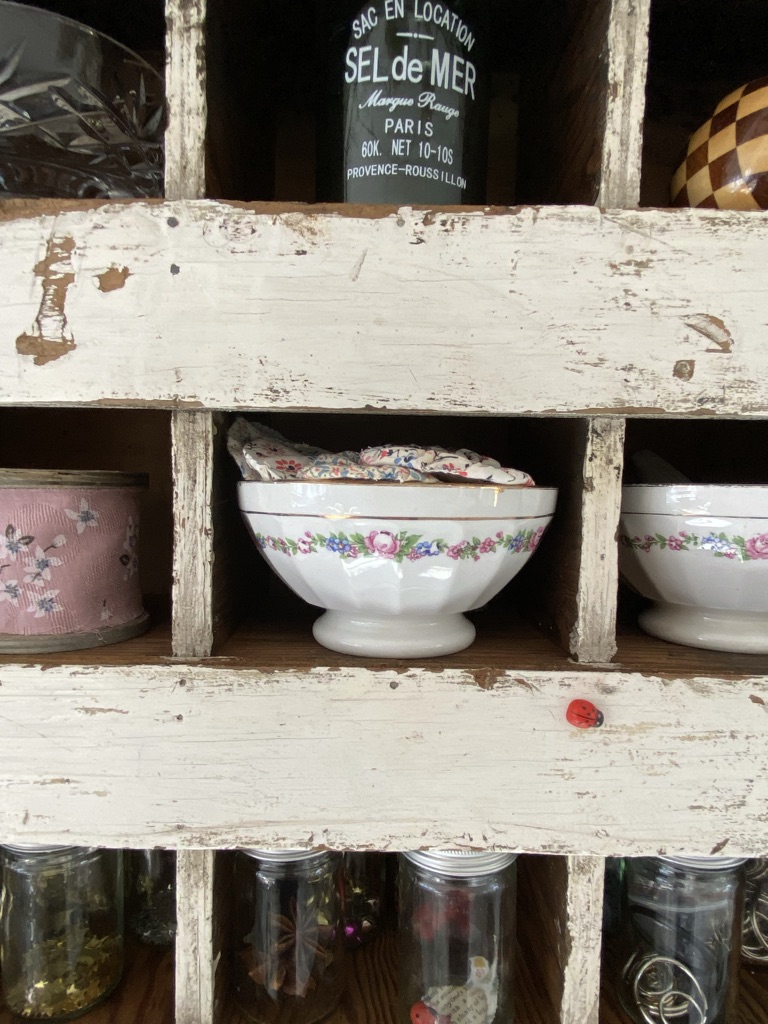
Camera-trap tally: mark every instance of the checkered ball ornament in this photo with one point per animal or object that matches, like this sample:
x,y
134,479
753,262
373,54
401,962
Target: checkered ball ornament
x,y
726,164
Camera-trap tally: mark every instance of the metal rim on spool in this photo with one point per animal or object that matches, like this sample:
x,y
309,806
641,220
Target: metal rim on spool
x,y
51,643
69,478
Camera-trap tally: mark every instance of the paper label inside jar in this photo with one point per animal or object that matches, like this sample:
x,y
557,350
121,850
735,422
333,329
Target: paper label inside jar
x,y
451,1004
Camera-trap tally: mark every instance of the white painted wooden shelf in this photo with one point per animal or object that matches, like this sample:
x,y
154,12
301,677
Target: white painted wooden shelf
x,y
578,327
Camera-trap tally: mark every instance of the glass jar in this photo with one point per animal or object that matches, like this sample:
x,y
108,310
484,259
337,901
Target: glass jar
x,y
61,929
457,937
364,880
754,936
679,939
288,937
151,896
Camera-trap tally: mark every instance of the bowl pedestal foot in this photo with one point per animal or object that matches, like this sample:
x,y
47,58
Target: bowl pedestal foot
x,y
715,629
394,636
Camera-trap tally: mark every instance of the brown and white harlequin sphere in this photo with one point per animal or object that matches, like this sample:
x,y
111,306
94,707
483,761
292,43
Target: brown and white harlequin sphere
x,y
726,165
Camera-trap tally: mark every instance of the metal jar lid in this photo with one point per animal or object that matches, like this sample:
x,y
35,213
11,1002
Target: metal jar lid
x,y
461,863
70,478
705,863
284,856
36,848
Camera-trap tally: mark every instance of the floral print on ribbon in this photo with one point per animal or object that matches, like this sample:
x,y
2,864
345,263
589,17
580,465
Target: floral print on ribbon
x,y
68,560
401,545
84,516
719,544
37,568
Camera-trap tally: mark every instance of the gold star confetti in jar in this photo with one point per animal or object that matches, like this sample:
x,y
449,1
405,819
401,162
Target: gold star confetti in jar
x,y
61,929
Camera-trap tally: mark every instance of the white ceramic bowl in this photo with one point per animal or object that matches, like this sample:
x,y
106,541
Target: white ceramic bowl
x,y
700,553
395,565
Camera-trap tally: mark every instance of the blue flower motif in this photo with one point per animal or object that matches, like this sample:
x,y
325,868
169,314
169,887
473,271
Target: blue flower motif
x,y
712,543
427,547
333,544
516,543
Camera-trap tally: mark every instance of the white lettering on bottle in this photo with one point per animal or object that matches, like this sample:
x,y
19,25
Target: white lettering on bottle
x,y
436,14
449,71
376,99
394,9
405,70
368,20
363,65
428,100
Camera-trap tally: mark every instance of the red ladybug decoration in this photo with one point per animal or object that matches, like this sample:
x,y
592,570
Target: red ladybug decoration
x,y
584,715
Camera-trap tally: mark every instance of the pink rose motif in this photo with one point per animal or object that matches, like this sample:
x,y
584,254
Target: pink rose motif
x,y
487,545
536,538
454,551
757,546
382,542
304,545
674,543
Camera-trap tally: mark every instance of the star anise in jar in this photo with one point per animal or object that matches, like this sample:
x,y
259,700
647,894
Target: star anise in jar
x,y
300,944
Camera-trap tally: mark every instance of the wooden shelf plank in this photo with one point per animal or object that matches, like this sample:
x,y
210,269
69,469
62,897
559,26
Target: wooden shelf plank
x,y
645,323
145,993
385,758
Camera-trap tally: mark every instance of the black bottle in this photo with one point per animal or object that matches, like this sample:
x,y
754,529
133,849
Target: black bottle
x,y
403,112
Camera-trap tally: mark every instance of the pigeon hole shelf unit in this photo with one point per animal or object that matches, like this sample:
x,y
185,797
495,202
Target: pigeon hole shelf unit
x,y
564,333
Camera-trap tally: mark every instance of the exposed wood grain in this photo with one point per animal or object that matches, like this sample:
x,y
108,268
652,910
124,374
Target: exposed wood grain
x,y
450,312
542,926
186,94
627,43
593,636
187,757
192,600
563,107
194,937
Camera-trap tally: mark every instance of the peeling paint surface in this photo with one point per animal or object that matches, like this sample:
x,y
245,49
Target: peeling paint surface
x,y
113,278
51,338
549,310
248,758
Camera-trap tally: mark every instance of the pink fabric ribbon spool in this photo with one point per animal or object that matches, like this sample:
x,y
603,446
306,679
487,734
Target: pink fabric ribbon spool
x,y
69,566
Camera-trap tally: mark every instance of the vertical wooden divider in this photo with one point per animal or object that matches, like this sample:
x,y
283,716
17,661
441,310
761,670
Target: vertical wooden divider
x,y
623,135
593,637
584,919
192,467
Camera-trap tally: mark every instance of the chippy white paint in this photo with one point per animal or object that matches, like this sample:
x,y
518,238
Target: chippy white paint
x,y
210,756
551,310
194,936
192,591
584,908
186,98
593,635
623,136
